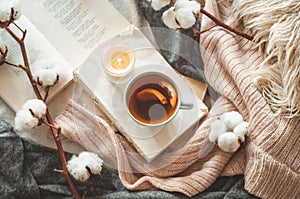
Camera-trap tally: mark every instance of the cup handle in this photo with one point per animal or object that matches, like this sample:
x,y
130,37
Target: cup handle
x,y
184,106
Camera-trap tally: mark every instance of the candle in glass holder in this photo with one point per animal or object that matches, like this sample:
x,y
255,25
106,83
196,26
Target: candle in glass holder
x,y
118,60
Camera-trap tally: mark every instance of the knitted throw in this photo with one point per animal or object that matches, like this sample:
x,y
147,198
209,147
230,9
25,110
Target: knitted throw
x,y
270,159
275,25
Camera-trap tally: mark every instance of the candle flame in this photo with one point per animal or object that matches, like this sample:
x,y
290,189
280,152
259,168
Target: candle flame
x,y
120,60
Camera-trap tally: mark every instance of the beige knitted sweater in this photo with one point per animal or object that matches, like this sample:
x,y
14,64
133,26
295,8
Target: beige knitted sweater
x,y
269,160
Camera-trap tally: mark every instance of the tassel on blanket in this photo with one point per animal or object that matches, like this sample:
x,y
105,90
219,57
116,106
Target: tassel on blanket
x,y
276,26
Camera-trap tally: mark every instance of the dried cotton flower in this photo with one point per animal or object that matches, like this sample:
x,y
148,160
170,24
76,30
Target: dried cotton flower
x,y
232,119
28,117
92,161
17,13
217,128
77,169
3,49
86,163
10,10
228,131
185,18
228,142
182,15
169,19
46,73
24,120
190,5
38,107
241,130
159,4
4,12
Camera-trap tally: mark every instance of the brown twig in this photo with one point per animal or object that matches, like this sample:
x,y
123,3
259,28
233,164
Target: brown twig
x,y
54,131
86,190
58,170
172,2
197,32
202,3
47,90
220,23
17,26
15,65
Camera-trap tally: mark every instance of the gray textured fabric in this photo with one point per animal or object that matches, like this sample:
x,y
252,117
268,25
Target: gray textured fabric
x,y
27,171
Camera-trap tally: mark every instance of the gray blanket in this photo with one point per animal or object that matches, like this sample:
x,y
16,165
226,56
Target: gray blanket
x,y
27,169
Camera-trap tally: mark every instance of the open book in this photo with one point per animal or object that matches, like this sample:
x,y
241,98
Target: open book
x,y
65,31
74,32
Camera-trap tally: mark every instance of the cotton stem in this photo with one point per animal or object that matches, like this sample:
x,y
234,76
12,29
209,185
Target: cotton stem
x,y
54,131
15,65
220,23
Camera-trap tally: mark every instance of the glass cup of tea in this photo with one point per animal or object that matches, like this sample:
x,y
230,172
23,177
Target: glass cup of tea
x,y
153,99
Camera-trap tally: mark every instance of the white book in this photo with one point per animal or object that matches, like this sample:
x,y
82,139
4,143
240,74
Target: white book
x,y
109,94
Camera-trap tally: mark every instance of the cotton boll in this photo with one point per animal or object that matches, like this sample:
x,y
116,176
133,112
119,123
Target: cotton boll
x,y
3,47
6,8
24,120
5,12
46,72
216,129
77,169
82,165
38,107
46,77
185,18
228,142
241,130
16,5
191,5
159,4
92,161
169,19
232,119
73,163
80,173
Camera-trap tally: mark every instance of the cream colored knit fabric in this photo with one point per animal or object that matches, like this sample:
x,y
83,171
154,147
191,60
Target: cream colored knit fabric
x,y
275,25
270,159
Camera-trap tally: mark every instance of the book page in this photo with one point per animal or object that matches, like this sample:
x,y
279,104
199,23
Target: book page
x,y
65,30
15,88
75,27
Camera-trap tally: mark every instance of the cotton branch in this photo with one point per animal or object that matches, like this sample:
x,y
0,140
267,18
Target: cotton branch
x,y
14,65
54,130
184,14
197,32
220,23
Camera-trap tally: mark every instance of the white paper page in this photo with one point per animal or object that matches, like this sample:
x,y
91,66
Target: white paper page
x,y
75,27
15,88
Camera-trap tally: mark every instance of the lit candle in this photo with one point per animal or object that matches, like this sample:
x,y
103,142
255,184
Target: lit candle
x,y
118,60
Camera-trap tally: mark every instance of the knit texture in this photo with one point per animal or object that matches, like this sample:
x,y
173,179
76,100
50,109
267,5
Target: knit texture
x,y
270,159
275,25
